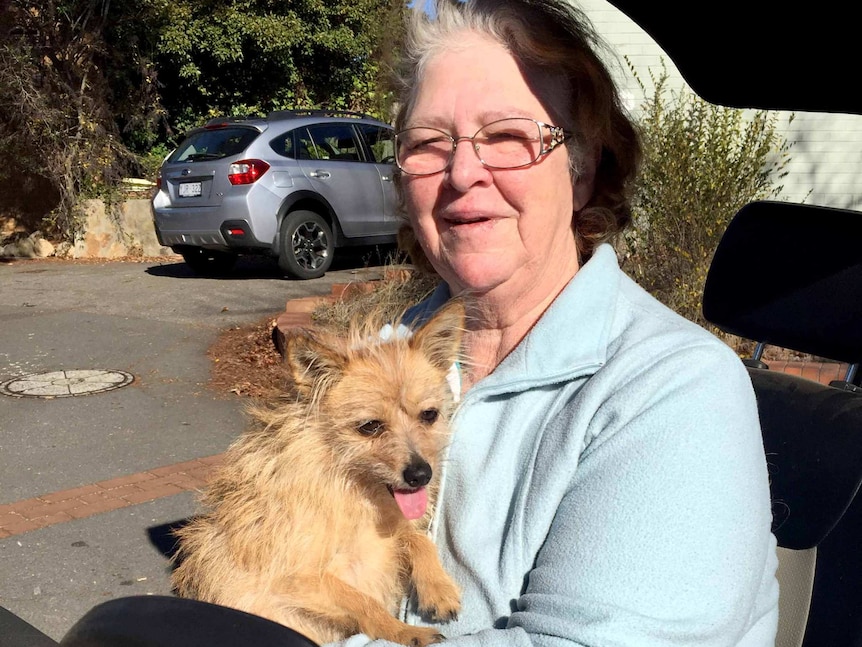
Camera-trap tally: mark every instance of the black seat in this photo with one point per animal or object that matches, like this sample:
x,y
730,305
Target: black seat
x,y
15,631
166,621
762,288
812,435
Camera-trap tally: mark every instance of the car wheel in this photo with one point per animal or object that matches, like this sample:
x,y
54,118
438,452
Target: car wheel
x,y
208,262
306,245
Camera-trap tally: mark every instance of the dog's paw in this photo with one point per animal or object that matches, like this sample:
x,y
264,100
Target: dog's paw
x,y
443,613
441,600
419,636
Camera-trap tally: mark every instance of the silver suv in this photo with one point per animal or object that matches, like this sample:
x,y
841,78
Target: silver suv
x,y
295,185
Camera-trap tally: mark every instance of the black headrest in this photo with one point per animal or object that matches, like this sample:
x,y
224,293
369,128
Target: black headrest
x,y
166,621
812,435
790,275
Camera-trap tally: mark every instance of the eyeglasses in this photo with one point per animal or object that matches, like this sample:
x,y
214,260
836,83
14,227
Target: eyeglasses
x,y
504,144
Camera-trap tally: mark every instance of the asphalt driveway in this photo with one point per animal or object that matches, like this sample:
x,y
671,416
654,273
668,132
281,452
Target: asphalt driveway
x,y
148,441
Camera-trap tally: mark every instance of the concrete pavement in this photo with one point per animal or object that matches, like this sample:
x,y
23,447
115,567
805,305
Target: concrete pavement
x,y
90,485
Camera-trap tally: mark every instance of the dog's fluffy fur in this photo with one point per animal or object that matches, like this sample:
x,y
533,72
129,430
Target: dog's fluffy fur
x,y
301,523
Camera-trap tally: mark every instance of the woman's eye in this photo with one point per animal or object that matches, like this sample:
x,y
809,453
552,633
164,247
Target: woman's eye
x,y
429,144
429,416
504,136
371,428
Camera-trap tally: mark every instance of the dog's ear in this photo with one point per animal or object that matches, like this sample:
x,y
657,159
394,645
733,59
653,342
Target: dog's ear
x,y
440,337
312,363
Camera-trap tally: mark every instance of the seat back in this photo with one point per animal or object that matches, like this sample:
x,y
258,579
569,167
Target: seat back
x,y
791,276
812,435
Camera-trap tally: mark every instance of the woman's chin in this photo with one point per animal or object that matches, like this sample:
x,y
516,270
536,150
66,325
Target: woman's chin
x,y
479,276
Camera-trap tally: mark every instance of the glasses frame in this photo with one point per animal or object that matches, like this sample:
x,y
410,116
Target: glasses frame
x,y
558,136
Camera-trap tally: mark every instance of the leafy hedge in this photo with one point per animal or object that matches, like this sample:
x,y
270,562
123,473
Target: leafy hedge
x,y
702,163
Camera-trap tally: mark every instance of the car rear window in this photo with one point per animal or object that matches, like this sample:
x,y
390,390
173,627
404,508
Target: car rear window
x,y
214,144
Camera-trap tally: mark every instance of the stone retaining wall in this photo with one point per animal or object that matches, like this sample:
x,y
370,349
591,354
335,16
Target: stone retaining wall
x,y
126,232
129,233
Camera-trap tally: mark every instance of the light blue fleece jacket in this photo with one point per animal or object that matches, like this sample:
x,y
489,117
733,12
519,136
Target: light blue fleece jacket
x,y
606,485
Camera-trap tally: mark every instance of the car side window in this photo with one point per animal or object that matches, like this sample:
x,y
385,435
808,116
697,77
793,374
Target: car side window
x,y
283,145
305,148
335,142
381,142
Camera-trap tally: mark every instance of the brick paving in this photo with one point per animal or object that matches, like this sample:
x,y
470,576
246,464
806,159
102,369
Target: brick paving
x,y
104,496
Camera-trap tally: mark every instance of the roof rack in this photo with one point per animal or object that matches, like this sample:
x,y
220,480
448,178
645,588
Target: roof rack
x,y
216,121
318,113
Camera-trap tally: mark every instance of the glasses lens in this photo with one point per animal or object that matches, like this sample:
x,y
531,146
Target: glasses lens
x,y
422,151
509,143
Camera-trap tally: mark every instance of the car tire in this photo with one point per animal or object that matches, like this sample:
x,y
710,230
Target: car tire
x,y
306,245
208,262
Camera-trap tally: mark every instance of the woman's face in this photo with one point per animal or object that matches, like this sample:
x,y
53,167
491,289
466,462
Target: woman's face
x,y
483,229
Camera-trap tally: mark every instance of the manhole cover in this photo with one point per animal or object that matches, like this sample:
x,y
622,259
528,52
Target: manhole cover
x,y
65,384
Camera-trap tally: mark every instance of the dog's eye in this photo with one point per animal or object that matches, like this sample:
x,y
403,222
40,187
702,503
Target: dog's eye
x,y
429,416
371,428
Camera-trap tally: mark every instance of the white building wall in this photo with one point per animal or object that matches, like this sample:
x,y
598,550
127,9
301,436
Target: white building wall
x,y
826,158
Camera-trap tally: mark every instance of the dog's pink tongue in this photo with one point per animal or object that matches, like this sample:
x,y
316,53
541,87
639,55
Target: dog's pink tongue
x,y
411,502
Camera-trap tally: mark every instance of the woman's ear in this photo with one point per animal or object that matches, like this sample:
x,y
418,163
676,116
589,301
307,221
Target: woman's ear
x,y
585,180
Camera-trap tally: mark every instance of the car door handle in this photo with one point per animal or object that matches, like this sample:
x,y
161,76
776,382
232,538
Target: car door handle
x,y
320,175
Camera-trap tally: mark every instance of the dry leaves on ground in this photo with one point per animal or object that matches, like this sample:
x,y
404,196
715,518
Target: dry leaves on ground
x,y
246,362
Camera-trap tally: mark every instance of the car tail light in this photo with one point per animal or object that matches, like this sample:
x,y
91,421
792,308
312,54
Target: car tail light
x,y
246,171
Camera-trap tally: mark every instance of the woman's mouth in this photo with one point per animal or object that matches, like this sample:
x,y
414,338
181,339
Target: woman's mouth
x,y
465,219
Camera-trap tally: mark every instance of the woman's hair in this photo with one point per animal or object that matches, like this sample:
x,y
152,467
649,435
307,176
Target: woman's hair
x,y
554,42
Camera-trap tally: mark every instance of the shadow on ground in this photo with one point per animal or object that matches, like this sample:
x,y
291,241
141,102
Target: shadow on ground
x,y
163,538
263,267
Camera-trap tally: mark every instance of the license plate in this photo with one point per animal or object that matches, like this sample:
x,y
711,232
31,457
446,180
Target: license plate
x,y
190,189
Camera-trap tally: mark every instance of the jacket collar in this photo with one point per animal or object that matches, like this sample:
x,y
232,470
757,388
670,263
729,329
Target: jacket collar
x,y
573,333
570,338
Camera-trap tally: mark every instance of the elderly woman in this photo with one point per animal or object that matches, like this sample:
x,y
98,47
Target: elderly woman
x,y
606,482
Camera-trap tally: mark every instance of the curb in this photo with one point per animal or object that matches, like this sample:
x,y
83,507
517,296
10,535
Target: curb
x,y
297,312
822,372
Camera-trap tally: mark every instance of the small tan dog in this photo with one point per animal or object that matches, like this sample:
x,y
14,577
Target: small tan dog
x,y
317,517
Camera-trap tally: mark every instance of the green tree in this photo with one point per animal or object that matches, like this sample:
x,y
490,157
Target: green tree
x,y
55,113
252,56
702,163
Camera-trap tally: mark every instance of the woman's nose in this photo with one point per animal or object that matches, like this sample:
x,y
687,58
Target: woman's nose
x,y
466,169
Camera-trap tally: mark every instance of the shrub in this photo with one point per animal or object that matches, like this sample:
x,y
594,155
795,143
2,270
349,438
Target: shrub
x,y
54,123
702,163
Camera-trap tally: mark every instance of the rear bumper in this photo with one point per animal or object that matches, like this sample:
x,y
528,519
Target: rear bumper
x,y
238,234
228,238
204,228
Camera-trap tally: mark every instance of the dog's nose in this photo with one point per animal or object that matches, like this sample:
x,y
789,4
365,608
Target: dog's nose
x,y
418,473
